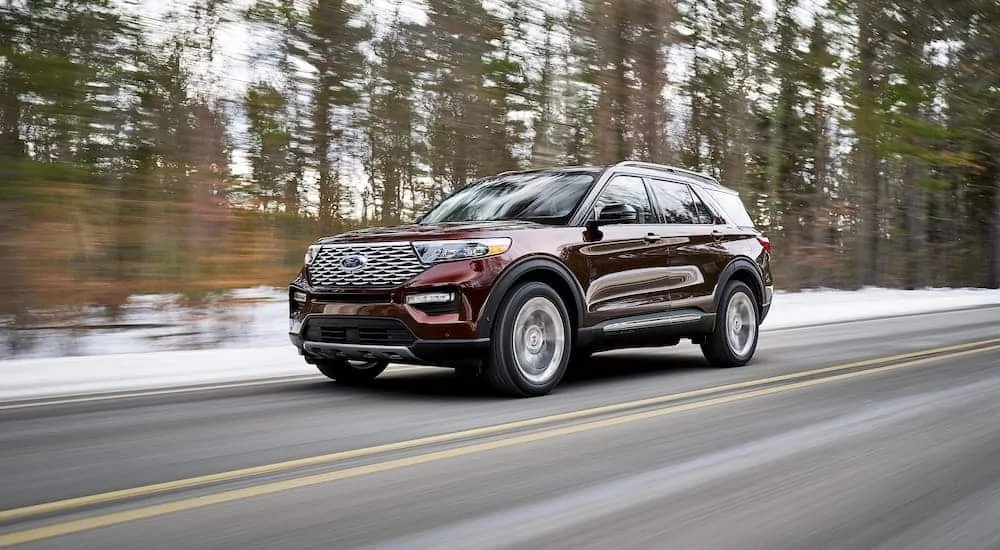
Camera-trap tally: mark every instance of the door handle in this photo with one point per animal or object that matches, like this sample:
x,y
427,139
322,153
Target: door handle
x,y
717,235
651,238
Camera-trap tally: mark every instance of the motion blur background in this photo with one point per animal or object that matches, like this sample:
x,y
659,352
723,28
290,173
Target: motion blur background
x,y
195,147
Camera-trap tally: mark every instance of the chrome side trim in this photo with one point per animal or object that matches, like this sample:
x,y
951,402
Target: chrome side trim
x,y
654,280
655,322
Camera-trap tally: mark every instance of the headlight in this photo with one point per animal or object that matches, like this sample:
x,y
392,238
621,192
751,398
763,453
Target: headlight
x,y
442,251
311,253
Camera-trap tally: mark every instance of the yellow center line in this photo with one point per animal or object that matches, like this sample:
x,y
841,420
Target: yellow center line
x,y
116,518
284,466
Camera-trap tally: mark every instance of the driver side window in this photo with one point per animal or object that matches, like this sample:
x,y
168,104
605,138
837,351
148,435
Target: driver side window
x,y
627,190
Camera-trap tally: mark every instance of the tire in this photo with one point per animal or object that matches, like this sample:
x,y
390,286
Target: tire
x,y
351,372
733,345
531,342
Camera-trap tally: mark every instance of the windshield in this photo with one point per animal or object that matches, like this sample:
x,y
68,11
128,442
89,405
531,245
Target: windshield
x,y
546,197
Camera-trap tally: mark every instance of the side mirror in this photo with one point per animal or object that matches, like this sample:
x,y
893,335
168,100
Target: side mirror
x,y
418,219
617,213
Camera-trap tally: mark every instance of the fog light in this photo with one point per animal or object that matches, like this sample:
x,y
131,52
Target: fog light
x,y
300,297
430,298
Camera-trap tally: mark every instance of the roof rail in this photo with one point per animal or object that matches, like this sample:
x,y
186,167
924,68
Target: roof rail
x,y
545,169
665,168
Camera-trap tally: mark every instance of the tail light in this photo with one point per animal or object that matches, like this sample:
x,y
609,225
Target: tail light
x,y
765,242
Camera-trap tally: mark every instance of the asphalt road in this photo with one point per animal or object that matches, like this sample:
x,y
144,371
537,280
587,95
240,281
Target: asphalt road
x,y
878,434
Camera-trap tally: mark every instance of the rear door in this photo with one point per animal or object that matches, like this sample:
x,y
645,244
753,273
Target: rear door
x,y
628,266
694,239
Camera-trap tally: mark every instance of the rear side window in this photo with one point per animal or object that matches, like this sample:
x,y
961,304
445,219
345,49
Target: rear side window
x,y
678,204
732,208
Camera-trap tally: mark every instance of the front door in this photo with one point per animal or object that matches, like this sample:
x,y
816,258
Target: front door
x,y
628,267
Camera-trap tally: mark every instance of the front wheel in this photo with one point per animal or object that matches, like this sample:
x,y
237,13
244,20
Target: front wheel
x,y
737,328
531,342
351,372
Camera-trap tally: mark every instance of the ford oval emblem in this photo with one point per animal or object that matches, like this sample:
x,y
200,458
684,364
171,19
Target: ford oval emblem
x,y
353,262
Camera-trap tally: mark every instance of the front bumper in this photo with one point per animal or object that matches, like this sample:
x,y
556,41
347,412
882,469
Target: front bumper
x,y
394,332
419,352
378,323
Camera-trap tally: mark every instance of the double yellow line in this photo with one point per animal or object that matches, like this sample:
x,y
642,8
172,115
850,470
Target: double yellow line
x,y
785,384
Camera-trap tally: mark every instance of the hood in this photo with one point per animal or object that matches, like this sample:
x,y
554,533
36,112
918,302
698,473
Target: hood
x,y
430,231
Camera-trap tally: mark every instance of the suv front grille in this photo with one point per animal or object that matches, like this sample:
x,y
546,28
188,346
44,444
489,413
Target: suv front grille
x,y
384,265
359,331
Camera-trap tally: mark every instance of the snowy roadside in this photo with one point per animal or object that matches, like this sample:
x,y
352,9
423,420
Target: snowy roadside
x,y
259,349
811,307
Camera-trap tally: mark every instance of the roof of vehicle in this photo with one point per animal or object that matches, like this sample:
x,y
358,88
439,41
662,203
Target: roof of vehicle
x,y
699,178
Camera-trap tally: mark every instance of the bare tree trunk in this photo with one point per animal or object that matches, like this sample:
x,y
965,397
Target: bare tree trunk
x,y
290,191
994,279
820,214
868,180
951,233
913,203
736,156
322,152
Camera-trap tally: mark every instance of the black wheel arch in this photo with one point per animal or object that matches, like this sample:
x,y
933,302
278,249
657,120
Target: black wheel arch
x,y
543,269
745,270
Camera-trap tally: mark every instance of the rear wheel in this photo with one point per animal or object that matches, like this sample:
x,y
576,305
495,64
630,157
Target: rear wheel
x,y
531,342
737,328
351,372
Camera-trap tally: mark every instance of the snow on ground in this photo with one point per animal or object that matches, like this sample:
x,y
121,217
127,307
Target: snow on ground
x,y
148,323
809,307
248,340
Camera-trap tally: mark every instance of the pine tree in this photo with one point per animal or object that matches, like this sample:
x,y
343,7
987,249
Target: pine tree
x,y
502,96
270,144
333,37
12,82
868,17
543,148
725,38
456,44
816,119
577,136
283,19
608,52
975,116
650,117
909,133
393,139
787,163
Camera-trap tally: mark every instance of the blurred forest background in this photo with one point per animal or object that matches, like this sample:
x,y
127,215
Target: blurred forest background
x,y
865,135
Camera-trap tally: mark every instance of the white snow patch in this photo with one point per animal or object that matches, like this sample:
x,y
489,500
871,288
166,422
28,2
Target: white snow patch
x,y
70,376
810,307
256,317
258,347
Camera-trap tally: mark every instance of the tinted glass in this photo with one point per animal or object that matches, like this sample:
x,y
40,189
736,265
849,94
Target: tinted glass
x,y
705,215
631,191
677,203
732,208
548,197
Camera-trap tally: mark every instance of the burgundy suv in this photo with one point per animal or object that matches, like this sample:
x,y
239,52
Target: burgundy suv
x,y
518,276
